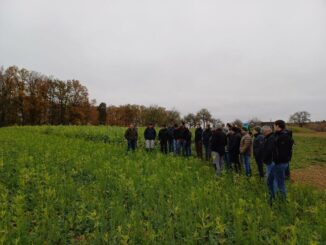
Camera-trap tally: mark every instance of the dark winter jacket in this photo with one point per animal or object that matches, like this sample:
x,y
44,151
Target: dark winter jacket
x,y
131,134
218,142
170,133
150,134
163,135
234,144
179,133
207,134
187,136
198,134
258,147
268,149
283,147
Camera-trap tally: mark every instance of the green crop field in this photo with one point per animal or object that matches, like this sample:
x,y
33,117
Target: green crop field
x,y
77,185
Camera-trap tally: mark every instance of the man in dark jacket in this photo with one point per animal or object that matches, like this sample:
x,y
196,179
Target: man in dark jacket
x,y
207,134
150,135
187,138
268,153
179,135
218,143
171,142
258,148
199,141
234,146
131,135
282,154
163,137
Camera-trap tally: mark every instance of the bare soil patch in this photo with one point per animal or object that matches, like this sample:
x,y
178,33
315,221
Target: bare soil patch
x,y
313,176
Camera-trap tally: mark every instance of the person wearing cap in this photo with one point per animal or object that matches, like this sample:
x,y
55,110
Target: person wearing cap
x,y
199,141
258,149
218,143
245,149
150,135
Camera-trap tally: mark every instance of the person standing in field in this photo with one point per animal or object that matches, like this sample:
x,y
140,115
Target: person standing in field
x,y
218,143
282,154
163,137
258,148
227,157
180,139
199,141
131,135
234,148
207,134
245,150
187,138
171,142
150,136
268,153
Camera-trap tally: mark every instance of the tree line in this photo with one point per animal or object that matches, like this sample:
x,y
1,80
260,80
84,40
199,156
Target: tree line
x,y
31,98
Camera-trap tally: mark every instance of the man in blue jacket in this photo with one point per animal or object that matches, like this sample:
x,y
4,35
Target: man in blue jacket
x,y
150,136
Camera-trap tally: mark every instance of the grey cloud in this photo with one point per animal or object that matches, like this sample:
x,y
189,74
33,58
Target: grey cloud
x,y
239,59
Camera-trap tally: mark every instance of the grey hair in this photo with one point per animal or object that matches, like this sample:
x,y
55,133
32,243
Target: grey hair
x,y
266,128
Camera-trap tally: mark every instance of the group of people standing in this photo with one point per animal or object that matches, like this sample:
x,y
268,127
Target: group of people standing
x,y
228,147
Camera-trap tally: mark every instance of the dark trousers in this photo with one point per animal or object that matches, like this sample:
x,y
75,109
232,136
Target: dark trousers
x,y
132,145
260,167
187,151
164,147
235,160
171,145
207,152
199,149
287,172
227,160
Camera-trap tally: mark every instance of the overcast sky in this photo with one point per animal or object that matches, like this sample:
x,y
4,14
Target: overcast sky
x,y
240,59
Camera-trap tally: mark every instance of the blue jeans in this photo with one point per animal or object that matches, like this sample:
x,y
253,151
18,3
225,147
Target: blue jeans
x,y
171,144
131,145
277,174
269,168
246,163
180,147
